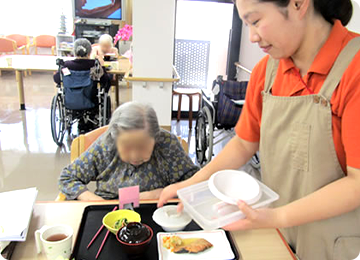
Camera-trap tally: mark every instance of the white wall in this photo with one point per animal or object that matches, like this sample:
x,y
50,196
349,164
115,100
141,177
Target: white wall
x,y
354,24
153,43
250,54
195,21
34,17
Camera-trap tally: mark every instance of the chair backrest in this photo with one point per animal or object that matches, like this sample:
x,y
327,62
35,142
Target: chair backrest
x,y
81,143
46,41
79,90
21,40
228,112
7,45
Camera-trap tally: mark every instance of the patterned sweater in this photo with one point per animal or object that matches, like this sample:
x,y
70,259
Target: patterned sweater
x,y
168,164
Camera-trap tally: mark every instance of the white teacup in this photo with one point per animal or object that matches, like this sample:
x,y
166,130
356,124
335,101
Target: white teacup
x,y
54,241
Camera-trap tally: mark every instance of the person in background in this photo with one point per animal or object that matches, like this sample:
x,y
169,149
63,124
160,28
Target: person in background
x,y
82,61
133,151
302,114
105,47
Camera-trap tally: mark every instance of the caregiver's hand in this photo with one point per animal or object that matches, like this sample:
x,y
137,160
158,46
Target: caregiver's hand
x,y
256,218
168,193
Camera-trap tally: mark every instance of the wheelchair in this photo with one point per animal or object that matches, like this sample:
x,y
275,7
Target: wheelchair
x,y
77,100
218,115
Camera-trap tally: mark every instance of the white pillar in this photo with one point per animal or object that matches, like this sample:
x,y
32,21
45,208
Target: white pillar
x,y
153,47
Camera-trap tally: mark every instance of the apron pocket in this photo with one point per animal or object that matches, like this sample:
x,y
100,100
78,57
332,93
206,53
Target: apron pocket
x,y
346,248
299,143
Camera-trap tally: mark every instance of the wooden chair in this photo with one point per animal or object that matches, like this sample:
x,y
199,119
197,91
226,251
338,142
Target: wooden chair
x,y
44,41
81,143
190,94
7,46
22,42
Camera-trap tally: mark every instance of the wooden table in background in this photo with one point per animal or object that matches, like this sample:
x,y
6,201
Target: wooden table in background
x,y
254,244
119,69
20,63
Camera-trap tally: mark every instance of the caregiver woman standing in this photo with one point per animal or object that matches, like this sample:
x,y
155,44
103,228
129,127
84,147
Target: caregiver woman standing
x,y
302,112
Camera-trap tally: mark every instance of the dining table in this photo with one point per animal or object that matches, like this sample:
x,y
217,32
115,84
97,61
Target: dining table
x,y
259,244
30,63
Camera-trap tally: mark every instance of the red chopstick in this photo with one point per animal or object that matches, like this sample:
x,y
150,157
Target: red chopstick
x,y
98,232
102,244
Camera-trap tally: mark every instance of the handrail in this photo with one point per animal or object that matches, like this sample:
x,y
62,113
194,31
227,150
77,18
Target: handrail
x,y
175,79
237,64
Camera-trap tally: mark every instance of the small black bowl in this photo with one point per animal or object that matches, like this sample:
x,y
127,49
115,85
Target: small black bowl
x,y
135,249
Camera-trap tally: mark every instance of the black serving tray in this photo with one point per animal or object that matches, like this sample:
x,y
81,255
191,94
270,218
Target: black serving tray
x,y
91,222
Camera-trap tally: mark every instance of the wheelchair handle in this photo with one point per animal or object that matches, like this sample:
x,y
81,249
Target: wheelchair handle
x,y
60,62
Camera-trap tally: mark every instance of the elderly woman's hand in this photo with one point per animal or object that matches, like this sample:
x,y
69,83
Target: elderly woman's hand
x,y
88,195
150,195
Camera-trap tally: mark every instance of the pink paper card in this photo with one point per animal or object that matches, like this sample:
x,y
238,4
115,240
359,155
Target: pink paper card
x,y
129,195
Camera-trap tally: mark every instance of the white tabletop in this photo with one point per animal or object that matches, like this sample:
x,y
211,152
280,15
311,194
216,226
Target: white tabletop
x,y
30,62
48,63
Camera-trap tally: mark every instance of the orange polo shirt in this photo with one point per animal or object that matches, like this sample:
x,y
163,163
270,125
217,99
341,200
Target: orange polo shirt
x,y
345,102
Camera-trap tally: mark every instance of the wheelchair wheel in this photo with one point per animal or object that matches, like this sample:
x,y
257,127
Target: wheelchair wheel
x,y
107,109
57,119
204,136
255,161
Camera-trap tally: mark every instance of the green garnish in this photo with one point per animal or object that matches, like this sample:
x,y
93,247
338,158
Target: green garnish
x,y
121,223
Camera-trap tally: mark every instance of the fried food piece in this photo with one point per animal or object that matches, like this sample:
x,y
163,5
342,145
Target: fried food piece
x,y
197,246
170,242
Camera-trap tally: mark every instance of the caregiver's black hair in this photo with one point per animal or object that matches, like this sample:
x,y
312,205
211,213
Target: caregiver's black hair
x,y
329,9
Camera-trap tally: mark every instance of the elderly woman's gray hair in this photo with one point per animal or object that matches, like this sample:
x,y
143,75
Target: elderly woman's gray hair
x,y
82,47
132,116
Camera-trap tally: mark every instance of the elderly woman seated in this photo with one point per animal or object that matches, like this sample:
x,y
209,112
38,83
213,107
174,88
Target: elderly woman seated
x,y
82,62
133,151
105,49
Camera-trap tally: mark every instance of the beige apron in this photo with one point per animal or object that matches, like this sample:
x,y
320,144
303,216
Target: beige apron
x,y
298,157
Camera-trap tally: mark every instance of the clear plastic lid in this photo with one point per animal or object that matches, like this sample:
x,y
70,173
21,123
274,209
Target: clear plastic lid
x,y
211,213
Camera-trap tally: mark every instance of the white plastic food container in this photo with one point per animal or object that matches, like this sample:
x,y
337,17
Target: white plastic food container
x,y
210,213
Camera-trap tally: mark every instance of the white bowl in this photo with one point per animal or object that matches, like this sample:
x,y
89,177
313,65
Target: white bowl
x,y
170,220
231,186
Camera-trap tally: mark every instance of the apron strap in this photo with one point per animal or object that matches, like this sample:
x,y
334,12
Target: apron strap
x,y
271,70
338,69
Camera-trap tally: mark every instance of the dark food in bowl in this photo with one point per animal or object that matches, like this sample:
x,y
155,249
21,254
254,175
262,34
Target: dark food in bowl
x,y
135,238
134,233
109,58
